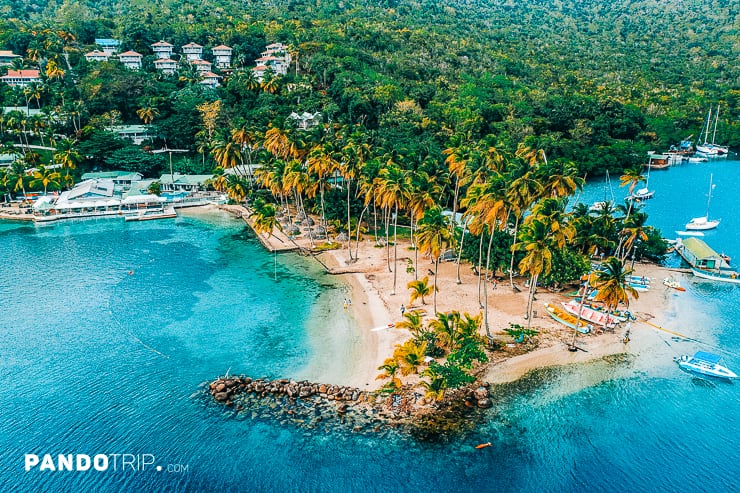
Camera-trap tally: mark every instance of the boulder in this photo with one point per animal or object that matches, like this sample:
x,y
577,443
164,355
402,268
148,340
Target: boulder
x,y
221,396
481,393
484,403
220,387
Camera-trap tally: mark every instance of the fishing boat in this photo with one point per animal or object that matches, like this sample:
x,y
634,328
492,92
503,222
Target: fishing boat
x,y
705,263
673,284
704,363
565,318
590,315
703,223
710,149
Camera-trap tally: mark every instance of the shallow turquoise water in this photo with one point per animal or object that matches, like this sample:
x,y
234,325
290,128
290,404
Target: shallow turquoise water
x,y
97,360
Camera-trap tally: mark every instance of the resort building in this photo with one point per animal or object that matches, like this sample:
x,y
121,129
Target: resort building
x,y
7,58
131,60
8,158
210,79
162,50
109,46
122,180
306,120
259,72
222,56
192,51
201,66
135,133
22,109
97,56
21,78
165,65
184,183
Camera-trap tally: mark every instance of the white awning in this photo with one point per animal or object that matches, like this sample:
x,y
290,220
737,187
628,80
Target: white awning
x,y
142,199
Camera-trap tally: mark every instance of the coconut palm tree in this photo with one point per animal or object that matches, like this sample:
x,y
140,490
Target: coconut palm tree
x,y
147,114
412,321
45,177
435,387
67,155
424,190
419,288
632,177
394,189
434,239
537,244
410,356
460,153
18,176
611,281
265,219
322,163
390,369
445,326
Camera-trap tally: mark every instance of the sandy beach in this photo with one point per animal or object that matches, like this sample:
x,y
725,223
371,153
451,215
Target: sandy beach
x,y
374,307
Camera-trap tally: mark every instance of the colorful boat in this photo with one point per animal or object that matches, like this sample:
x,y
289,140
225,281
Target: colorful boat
x,y
705,363
672,283
565,318
590,315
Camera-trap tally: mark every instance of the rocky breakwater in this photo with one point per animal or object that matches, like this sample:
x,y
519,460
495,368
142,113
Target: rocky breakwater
x,y
326,407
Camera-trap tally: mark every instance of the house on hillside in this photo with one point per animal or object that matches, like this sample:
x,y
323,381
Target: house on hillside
x,y
210,79
222,56
162,50
135,133
201,66
306,121
109,46
7,58
184,183
192,51
131,60
21,78
122,180
96,56
165,65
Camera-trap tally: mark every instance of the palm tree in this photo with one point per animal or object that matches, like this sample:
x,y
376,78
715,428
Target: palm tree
x,y
423,193
18,176
536,242
265,219
631,177
434,238
45,177
611,281
248,145
67,155
445,326
390,369
322,163
394,189
435,387
412,321
459,155
419,289
410,356
147,114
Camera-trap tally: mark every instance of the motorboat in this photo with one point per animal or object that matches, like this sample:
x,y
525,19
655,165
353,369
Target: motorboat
x,y
704,363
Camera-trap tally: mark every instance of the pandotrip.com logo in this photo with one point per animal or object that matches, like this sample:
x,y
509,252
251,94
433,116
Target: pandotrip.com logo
x,y
99,463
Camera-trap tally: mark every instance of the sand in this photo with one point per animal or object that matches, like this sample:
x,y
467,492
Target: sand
x,y
375,306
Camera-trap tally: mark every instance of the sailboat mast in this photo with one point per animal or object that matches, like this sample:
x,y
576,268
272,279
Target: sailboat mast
x,y
709,196
716,119
706,130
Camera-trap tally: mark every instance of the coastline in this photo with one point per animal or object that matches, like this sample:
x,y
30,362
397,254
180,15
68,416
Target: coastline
x,y
372,340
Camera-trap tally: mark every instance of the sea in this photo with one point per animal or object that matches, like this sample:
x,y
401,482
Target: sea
x,y
109,331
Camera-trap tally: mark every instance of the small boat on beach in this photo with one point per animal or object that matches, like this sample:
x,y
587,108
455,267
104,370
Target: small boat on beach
x,y
589,314
565,318
704,363
673,284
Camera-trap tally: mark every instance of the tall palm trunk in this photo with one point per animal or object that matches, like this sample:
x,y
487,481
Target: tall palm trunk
x,y
480,265
485,287
532,289
395,250
436,271
459,255
357,239
387,215
349,222
511,265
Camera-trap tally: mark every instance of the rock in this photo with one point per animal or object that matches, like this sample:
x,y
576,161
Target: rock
x,y
304,391
484,403
355,395
220,387
221,396
322,389
342,409
481,393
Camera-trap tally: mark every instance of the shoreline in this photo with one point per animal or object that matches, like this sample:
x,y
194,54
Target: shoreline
x,y
373,308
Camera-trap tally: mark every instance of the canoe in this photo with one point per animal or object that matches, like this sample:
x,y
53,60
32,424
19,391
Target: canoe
x,y
590,315
565,318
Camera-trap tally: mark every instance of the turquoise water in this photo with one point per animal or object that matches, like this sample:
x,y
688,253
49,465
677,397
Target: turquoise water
x,y
98,360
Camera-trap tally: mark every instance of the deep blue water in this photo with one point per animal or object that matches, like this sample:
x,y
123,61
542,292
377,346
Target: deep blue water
x,y
94,360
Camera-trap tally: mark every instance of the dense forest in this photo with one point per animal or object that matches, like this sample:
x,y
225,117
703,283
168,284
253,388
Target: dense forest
x,y
598,83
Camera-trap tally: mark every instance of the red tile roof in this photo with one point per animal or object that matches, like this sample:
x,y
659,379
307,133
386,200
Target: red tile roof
x,y
31,74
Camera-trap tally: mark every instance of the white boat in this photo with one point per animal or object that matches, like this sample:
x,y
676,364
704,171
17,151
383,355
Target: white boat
x,y
710,149
698,159
704,363
703,223
599,206
590,315
643,193
149,214
689,233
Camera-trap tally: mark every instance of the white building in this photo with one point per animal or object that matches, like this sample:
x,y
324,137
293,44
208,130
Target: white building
x,y
222,56
210,79
135,133
166,66
96,56
21,78
306,120
192,51
131,60
201,66
110,46
162,50
7,57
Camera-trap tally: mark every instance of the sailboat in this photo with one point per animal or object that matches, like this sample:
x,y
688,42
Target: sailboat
x,y
710,148
643,193
703,222
599,206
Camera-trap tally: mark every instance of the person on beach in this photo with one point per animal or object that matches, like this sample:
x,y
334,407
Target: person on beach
x,y
403,310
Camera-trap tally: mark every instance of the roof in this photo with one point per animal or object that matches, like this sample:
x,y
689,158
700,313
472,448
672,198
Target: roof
x,y
210,75
31,74
192,45
184,179
6,53
128,129
708,357
200,62
222,47
162,43
97,53
129,53
107,42
164,60
699,249
111,174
